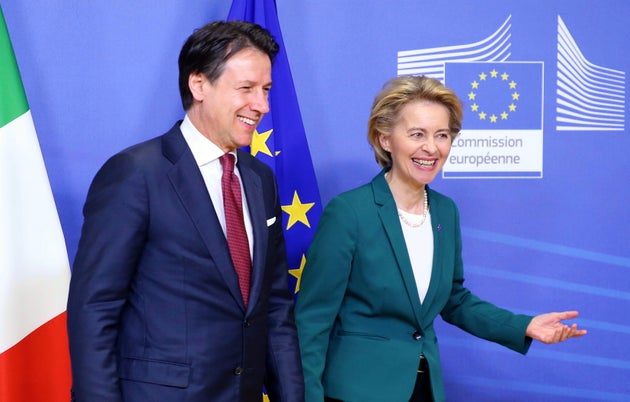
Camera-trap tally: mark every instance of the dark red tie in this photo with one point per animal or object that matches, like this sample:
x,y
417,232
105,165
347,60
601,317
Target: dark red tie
x,y
235,224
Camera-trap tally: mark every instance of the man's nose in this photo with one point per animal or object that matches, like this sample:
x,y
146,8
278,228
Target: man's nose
x,y
260,101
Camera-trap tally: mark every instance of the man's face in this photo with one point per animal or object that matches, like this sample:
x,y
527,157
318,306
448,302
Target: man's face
x,y
231,108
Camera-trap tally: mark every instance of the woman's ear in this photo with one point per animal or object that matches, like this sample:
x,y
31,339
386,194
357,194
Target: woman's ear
x,y
384,141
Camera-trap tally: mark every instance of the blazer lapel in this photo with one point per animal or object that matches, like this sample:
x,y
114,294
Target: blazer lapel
x,y
186,179
438,274
389,217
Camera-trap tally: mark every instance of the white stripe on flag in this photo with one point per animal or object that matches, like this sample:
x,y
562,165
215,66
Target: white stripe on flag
x,y
34,267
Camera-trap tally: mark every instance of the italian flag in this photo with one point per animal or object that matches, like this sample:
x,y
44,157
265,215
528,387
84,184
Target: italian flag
x,y
34,268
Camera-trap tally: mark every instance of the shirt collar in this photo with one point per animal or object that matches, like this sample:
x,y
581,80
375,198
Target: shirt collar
x,y
204,151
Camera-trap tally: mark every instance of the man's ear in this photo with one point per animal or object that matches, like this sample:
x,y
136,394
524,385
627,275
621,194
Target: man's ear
x,y
196,82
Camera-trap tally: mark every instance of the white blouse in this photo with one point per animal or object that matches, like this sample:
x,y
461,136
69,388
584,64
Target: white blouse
x,y
419,242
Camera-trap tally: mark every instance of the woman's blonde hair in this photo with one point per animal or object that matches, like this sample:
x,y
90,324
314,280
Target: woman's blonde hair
x,y
397,93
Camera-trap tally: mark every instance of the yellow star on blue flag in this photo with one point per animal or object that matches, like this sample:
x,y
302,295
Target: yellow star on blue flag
x,y
297,211
297,273
259,143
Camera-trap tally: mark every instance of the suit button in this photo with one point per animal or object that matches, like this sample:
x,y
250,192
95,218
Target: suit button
x,y
238,371
417,335
246,324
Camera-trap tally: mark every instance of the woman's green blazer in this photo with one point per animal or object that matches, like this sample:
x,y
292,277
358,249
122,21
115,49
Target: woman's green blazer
x,y
361,325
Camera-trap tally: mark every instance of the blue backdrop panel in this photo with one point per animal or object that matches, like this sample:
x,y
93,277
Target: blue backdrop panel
x,y
531,244
101,76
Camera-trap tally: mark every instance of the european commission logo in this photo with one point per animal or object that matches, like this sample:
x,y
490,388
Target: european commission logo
x,y
502,129
502,133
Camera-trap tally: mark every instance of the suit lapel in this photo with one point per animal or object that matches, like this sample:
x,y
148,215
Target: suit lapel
x,y
253,191
389,217
186,179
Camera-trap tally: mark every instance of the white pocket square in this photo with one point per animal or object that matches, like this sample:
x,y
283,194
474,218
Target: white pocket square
x,y
271,221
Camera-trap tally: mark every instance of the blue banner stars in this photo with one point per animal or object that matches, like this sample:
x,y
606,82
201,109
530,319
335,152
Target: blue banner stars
x,y
487,87
503,95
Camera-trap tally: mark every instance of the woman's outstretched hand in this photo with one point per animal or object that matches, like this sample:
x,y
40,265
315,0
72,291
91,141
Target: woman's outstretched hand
x,y
548,328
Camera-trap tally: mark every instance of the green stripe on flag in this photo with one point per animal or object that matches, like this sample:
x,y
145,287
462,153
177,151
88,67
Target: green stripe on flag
x,y
12,97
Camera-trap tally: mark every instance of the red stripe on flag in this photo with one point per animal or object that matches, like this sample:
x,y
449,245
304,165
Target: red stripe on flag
x,y
37,369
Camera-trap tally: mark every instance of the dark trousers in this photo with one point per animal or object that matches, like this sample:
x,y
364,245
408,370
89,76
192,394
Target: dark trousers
x,y
422,390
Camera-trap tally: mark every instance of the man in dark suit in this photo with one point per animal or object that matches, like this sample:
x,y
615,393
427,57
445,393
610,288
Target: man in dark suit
x,y
157,310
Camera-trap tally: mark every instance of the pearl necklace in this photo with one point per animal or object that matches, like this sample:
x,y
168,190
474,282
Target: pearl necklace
x,y
424,214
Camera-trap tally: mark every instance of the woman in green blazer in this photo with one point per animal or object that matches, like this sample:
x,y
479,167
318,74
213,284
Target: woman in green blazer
x,y
386,260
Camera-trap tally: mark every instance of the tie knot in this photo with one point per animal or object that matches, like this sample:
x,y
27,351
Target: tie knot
x,y
227,162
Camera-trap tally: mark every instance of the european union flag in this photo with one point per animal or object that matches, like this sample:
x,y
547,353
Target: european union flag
x,y
503,95
280,141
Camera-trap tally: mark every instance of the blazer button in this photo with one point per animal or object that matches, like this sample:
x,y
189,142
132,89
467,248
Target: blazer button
x,y
417,335
238,371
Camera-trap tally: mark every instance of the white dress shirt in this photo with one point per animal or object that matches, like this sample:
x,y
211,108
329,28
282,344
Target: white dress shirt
x,y
207,155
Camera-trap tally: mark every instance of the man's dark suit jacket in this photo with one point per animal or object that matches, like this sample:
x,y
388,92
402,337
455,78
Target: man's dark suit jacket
x,y
155,311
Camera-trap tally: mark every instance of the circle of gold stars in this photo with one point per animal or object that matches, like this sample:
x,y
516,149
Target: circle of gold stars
x,y
493,116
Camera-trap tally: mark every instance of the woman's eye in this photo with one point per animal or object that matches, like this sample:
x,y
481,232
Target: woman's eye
x,y
443,136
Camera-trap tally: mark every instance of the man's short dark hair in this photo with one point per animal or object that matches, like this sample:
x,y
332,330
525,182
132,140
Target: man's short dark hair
x,y
211,46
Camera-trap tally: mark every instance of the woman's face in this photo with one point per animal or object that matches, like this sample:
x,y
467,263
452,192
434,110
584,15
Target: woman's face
x,y
419,143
